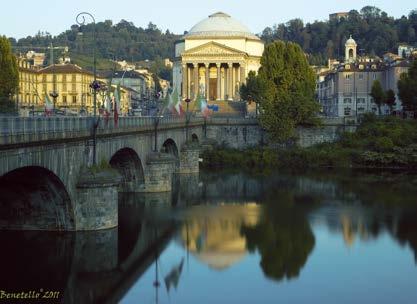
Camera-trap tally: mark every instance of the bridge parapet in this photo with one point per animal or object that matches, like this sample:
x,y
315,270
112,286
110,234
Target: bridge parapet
x,y
19,130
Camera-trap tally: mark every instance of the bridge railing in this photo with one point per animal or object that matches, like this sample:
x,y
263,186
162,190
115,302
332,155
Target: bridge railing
x,y
17,130
10,126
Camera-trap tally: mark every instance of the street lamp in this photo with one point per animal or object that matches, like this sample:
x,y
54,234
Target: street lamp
x,y
187,119
156,123
80,19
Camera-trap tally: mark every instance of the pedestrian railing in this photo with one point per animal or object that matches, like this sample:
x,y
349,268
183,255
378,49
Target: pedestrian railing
x,y
20,130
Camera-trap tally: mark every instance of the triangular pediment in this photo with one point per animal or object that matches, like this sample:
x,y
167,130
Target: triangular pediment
x,y
213,48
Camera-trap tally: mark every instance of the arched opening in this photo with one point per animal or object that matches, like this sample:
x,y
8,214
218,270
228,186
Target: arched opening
x,y
194,138
34,198
350,53
127,162
170,147
130,216
32,259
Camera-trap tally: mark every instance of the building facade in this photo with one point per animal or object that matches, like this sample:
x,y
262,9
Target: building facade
x,y
345,90
214,58
69,81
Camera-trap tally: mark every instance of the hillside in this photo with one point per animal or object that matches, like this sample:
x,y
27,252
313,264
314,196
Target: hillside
x,y
374,31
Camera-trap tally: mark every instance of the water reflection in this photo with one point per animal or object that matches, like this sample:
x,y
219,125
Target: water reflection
x,y
283,235
213,233
220,231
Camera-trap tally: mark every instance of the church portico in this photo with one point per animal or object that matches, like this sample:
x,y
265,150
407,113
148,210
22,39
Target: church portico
x,y
214,81
214,58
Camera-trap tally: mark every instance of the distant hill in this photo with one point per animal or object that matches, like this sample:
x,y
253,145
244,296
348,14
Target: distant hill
x,y
374,31
114,41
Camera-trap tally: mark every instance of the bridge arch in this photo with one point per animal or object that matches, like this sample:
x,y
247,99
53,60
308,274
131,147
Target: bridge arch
x,y
169,146
34,198
127,162
194,138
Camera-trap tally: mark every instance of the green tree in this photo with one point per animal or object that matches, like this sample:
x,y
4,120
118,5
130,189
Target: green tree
x,y
377,93
289,87
9,75
407,88
254,90
390,99
283,236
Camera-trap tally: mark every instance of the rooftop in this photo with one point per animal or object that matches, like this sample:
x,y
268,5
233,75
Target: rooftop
x,y
220,25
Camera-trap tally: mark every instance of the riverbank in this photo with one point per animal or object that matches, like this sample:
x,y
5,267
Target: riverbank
x,y
388,142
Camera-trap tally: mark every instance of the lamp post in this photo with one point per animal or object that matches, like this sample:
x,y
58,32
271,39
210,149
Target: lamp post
x,y
156,123
187,119
81,20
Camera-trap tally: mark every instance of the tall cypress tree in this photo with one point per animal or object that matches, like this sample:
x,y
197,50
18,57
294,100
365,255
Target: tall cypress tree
x,y
378,94
407,88
9,76
290,90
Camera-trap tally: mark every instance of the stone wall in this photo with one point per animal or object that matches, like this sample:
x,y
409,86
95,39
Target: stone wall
x,y
235,136
308,137
242,134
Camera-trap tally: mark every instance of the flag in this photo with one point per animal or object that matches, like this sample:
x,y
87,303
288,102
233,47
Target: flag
x,y
49,106
167,103
116,104
202,104
107,109
173,277
176,102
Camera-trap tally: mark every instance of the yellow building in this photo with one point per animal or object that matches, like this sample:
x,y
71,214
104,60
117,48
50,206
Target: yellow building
x,y
69,81
72,84
28,79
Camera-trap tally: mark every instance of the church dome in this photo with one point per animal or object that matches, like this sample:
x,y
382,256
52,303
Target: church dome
x,y
350,41
220,25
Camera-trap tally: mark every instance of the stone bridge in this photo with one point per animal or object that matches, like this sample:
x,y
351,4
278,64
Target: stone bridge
x,y
48,180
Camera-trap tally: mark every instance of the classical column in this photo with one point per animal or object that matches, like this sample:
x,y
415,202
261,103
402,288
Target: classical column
x,y
184,81
196,80
224,83
219,78
189,80
242,75
233,82
230,81
207,80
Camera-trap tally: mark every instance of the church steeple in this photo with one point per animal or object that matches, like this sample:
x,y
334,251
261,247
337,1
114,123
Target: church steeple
x,y
350,50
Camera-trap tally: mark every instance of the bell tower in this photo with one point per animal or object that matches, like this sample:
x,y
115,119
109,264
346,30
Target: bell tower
x,y
350,50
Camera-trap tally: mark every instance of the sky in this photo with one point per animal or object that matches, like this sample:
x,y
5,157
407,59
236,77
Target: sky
x,y
27,17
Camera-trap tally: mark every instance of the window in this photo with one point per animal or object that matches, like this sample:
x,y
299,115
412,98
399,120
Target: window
x,y
347,111
361,100
74,88
360,76
347,100
347,76
64,87
64,98
44,77
361,109
74,99
64,78
74,78
374,76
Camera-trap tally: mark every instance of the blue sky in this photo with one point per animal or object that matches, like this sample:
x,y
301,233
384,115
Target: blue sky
x,y
26,17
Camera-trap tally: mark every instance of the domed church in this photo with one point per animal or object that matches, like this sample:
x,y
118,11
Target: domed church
x,y
214,58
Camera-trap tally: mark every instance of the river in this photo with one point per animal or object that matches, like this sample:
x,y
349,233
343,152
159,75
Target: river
x,y
233,237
